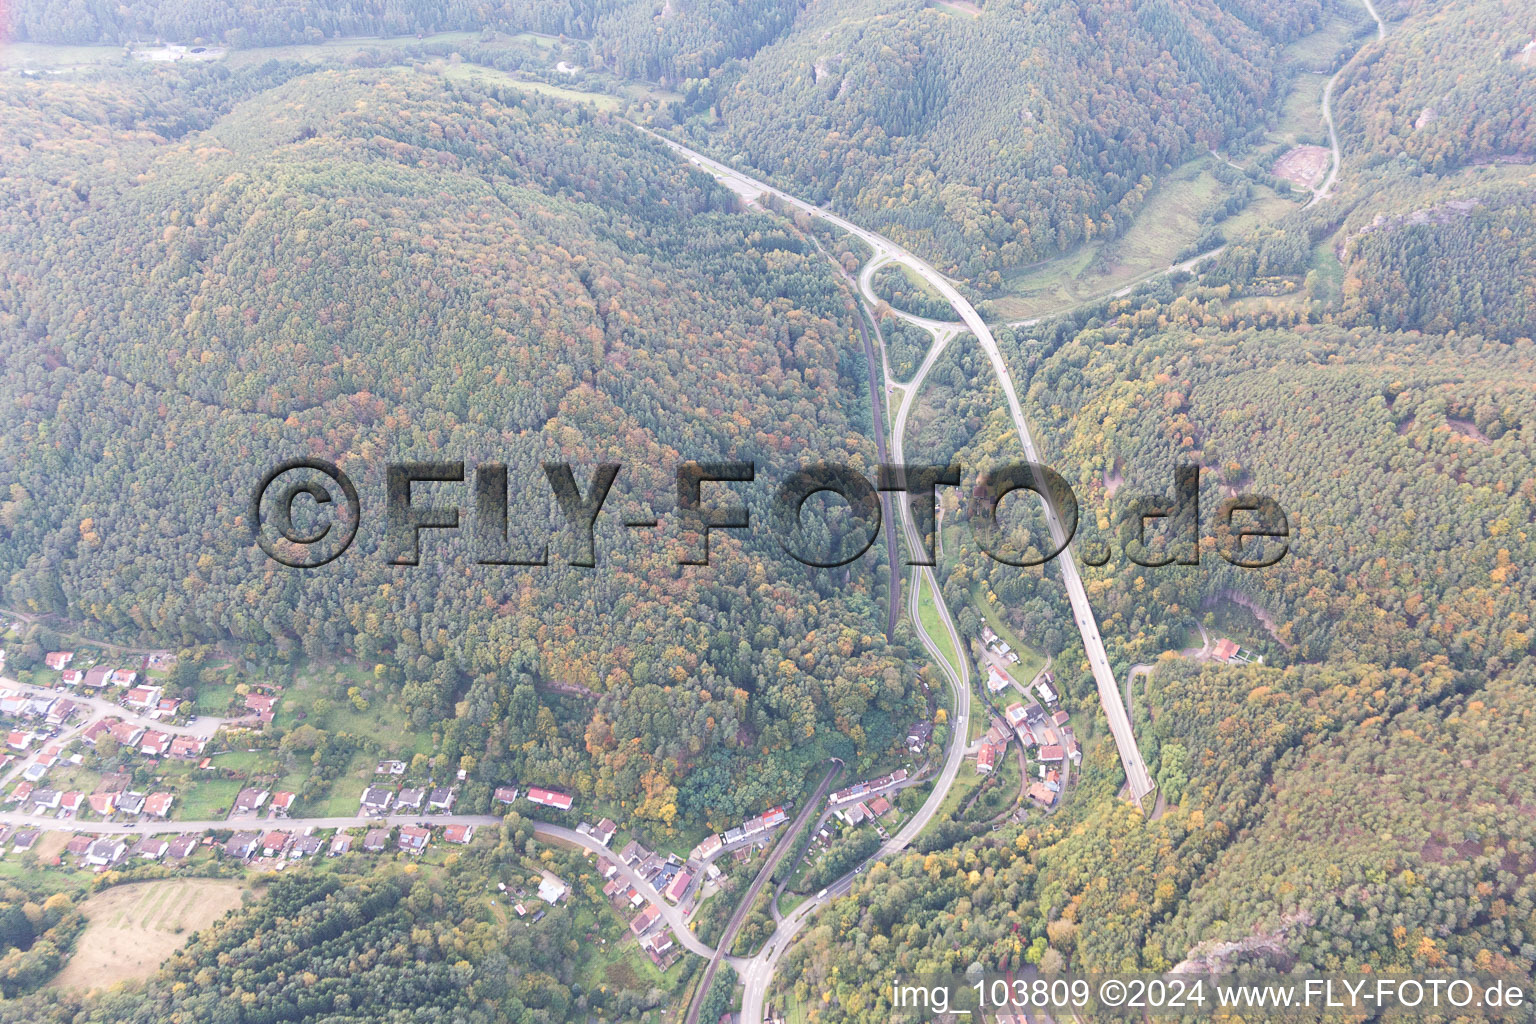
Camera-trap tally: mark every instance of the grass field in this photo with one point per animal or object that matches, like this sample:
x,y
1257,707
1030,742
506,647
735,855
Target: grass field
x,y
1167,223
928,614
133,928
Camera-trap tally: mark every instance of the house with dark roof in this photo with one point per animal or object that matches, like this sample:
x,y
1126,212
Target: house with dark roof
x,y
376,839
340,844
410,799
376,800
441,800
105,852
150,848
181,847
241,845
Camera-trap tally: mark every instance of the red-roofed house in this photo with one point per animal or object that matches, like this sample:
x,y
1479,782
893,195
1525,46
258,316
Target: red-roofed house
x,y
413,839
58,659
187,747
19,740
459,833
549,798
71,801
280,804
679,886
1050,752
142,696
154,743
986,758
103,803
274,843
22,791
124,677
159,804
127,733
1224,649
72,677
259,702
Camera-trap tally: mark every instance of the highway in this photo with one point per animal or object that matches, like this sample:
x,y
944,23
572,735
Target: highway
x,y
1139,781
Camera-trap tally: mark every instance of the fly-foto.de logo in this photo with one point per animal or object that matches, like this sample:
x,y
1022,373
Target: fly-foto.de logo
x,y
304,513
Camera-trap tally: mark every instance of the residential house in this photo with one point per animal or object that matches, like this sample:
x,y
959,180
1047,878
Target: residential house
x,y
125,677
78,845
986,758
45,801
150,847
249,801
413,839
1015,714
376,839
103,804
105,852
551,889
1042,794
1050,753
340,844
187,747
305,846
410,799
645,920
633,853
97,677
24,839
57,660
142,696
506,794
72,677
879,807
679,886
158,805
127,734
605,831
241,845
181,847
459,833
273,844
260,703
17,740
997,679
1225,649
154,744
96,730
1043,688
131,803
281,802
70,802
706,849
21,792
61,710
1060,718
549,798
441,800
376,800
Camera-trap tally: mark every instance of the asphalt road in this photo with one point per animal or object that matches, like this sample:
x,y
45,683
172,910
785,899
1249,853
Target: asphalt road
x,y
1337,159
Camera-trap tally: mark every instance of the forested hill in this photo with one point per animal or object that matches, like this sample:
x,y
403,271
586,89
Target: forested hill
x,y
994,141
207,272
638,38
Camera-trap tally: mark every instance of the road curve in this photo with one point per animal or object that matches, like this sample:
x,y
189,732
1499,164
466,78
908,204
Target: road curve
x,y
1336,161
